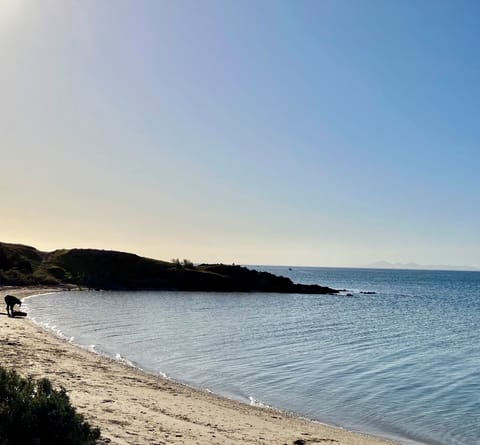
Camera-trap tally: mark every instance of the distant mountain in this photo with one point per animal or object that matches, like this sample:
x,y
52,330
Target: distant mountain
x,y
415,266
106,269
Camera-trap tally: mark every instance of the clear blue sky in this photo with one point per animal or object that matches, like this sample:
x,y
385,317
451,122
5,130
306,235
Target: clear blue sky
x,y
261,132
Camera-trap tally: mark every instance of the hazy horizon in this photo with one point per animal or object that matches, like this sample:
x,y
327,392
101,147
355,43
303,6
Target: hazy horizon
x,y
381,264
323,133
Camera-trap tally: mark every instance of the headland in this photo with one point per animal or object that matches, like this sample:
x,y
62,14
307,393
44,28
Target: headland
x,y
111,270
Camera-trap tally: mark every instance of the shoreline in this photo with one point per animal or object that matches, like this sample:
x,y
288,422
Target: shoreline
x,y
132,406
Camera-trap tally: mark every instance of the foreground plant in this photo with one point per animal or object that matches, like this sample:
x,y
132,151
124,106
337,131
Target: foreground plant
x,y
33,412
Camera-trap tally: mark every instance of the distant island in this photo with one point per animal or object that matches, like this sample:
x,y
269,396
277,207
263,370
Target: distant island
x,y
111,270
414,266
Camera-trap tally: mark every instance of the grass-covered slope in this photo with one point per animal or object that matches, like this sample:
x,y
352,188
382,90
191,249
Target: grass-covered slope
x,y
105,269
18,263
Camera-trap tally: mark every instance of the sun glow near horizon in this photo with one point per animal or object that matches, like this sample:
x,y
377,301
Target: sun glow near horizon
x,y
9,10
314,133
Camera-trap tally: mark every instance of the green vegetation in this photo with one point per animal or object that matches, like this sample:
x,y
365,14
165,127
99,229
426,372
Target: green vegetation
x,y
185,263
33,412
106,269
17,263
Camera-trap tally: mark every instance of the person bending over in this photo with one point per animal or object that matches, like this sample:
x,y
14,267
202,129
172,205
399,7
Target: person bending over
x,y
11,301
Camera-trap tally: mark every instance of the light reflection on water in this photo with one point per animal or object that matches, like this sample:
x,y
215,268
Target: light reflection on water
x,y
402,363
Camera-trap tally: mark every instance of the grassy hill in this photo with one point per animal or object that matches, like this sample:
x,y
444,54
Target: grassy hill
x,y
105,269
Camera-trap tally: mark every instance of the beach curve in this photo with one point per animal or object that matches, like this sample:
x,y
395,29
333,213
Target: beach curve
x,y
134,407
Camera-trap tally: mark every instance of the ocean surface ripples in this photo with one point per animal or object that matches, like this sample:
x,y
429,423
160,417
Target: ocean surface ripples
x,y
402,363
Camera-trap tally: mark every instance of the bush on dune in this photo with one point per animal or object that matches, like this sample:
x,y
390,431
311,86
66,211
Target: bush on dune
x,y
33,412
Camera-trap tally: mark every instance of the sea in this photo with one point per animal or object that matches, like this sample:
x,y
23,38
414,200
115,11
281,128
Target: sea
x,y
401,363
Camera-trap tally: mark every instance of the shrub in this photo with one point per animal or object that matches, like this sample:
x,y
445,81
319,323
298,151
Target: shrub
x,y
33,412
188,263
176,262
57,272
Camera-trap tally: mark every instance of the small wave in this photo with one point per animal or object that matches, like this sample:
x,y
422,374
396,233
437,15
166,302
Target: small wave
x,y
28,297
257,403
90,347
51,328
124,360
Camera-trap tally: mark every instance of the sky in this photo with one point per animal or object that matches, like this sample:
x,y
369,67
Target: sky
x,y
323,133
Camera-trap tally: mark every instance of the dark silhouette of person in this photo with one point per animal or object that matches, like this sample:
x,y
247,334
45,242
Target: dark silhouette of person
x,y
11,301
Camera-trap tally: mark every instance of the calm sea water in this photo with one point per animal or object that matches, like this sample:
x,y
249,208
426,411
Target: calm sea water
x,y
403,363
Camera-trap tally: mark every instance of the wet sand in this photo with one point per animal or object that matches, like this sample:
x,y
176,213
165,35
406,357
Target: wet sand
x,y
133,407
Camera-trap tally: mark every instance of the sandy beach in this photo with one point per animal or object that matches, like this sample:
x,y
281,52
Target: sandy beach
x,y
133,407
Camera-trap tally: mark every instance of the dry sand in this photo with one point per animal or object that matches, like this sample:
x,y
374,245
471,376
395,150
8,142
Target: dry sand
x,y
132,407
